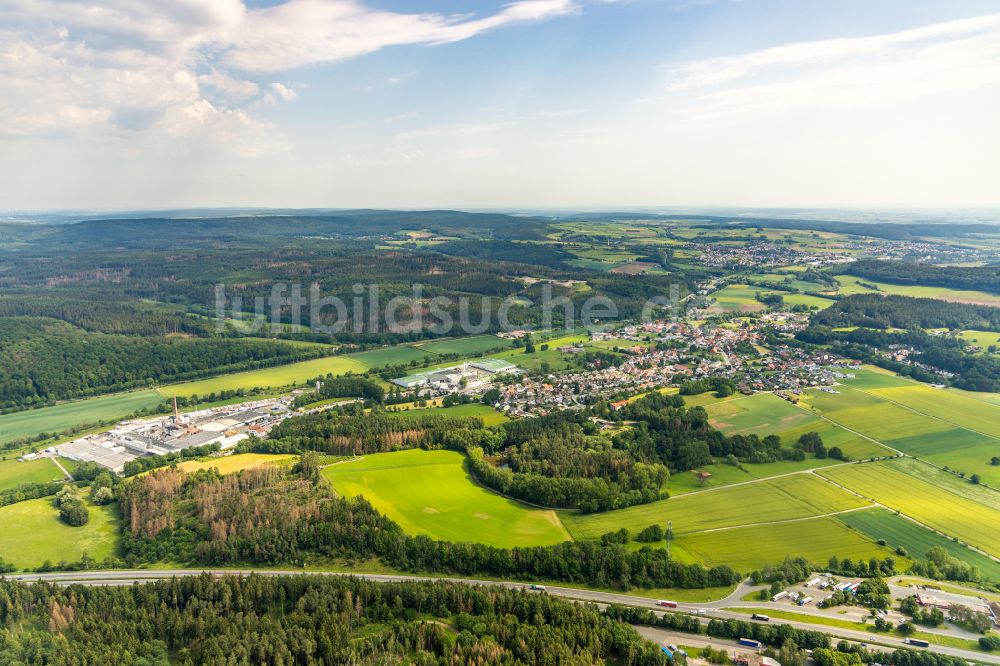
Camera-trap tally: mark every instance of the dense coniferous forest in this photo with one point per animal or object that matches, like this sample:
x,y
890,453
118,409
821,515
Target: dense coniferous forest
x,y
881,311
270,516
980,278
305,620
44,360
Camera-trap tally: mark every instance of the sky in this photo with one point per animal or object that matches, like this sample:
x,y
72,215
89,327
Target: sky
x,y
126,104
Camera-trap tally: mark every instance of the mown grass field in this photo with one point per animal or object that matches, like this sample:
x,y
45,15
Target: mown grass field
x,y
297,373
765,414
928,503
489,415
14,473
236,463
473,345
72,414
31,533
785,498
429,492
749,548
917,540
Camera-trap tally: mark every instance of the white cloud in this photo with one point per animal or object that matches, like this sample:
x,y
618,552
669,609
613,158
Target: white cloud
x,y
283,91
186,67
966,41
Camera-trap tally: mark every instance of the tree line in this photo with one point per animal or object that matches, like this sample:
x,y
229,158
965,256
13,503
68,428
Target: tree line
x,y
323,620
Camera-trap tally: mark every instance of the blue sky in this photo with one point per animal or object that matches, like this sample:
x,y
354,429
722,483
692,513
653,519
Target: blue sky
x,y
535,103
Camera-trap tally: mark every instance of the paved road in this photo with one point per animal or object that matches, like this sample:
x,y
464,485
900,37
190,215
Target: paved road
x,y
601,599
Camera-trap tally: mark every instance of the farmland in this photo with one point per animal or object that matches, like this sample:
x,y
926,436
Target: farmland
x,y
947,427
900,532
472,345
928,503
13,472
297,373
788,498
743,297
31,534
74,414
235,463
429,492
765,413
749,548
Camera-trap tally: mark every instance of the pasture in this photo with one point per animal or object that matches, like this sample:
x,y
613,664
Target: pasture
x,y
31,534
298,373
916,539
236,463
74,414
984,339
14,473
786,498
926,502
749,548
430,492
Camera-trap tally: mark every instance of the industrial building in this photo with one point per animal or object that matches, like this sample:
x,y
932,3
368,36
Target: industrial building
x,y
225,426
468,374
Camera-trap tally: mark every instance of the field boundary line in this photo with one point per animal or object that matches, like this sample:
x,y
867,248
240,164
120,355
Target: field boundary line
x,y
850,430
912,519
58,464
917,411
782,522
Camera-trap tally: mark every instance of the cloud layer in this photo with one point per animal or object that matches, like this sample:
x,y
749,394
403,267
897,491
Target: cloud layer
x,y
194,68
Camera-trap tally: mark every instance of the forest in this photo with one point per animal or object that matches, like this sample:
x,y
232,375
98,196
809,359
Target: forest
x,y
45,360
977,278
881,311
265,620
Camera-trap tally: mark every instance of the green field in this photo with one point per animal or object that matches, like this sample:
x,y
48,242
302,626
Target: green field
x,y
297,373
917,540
31,533
726,475
236,463
765,414
429,492
14,473
748,548
982,338
949,428
72,414
928,503
786,498
473,345
489,415
743,297
739,297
